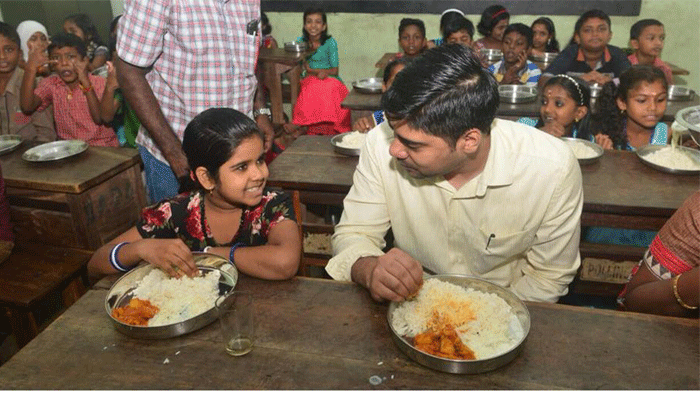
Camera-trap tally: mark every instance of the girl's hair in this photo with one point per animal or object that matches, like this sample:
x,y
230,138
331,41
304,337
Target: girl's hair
x,y
449,16
406,22
85,24
266,27
491,16
609,119
581,94
552,45
324,35
212,137
522,29
595,13
392,64
456,25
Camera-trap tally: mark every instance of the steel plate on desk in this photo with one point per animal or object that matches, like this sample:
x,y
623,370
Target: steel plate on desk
x,y
644,151
690,118
467,366
345,149
368,85
514,94
121,293
57,150
595,147
9,143
679,93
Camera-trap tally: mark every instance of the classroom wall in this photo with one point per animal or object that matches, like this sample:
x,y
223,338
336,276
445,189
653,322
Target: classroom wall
x,y
364,38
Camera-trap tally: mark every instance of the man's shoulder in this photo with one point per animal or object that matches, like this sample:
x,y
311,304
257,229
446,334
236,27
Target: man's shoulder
x,y
526,144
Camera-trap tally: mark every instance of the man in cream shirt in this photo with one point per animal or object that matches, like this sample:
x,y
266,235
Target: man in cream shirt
x,y
462,192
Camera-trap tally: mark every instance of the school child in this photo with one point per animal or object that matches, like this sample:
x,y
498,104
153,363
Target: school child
x,y
544,37
231,213
565,109
32,33
267,42
588,54
73,92
647,39
318,106
629,116
446,17
115,110
364,124
515,68
411,37
459,30
492,25
81,26
13,121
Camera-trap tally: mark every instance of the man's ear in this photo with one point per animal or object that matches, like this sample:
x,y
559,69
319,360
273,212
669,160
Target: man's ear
x,y
204,178
469,141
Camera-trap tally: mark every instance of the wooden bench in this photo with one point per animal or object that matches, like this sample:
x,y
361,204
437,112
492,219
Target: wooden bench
x,y
31,277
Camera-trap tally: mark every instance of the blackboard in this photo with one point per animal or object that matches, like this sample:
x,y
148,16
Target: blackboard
x,y
474,7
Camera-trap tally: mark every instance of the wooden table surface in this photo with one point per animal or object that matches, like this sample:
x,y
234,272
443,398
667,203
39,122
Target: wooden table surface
x,y
322,334
619,190
71,175
275,62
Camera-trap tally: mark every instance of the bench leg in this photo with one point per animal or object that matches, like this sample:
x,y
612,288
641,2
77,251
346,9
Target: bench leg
x,y
23,325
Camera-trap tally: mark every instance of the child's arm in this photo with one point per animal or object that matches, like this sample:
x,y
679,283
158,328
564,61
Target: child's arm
x,y
29,101
98,61
109,104
320,73
80,67
331,53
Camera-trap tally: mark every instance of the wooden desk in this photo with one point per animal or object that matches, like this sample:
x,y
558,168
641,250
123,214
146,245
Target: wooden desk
x,y
276,62
322,334
618,191
80,202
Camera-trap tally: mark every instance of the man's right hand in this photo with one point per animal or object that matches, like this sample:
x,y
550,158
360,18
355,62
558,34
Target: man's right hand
x,y
393,276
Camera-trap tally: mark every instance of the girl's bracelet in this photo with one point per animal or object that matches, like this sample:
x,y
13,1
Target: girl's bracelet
x,y
233,250
678,296
115,261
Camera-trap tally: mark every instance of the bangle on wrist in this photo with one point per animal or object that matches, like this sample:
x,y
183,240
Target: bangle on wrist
x,y
115,261
678,296
85,89
233,251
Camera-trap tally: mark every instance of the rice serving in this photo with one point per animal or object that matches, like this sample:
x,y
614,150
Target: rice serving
x,y
484,321
581,151
673,158
352,140
178,299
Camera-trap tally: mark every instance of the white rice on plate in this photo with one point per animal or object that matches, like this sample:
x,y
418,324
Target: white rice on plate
x,y
673,158
581,151
484,321
178,299
352,140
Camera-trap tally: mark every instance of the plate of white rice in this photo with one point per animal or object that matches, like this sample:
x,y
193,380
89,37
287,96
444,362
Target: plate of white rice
x,y
489,320
586,152
185,304
349,143
671,159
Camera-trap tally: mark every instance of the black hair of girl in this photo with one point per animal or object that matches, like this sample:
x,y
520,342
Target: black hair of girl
x,y
212,137
522,29
406,22
609,119
324,35
457,25
392,64
488,21
265,23
594,13
578,90
85,24
449,17
552,45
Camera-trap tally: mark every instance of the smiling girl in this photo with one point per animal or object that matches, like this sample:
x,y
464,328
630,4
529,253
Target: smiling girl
x,y
231,214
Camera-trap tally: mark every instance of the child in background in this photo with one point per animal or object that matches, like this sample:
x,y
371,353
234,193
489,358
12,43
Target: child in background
x,y
492,25
589,55
544,37
445,18
81,26
630,114
411,37
267,42
565,110
364,124
13,121
647,39
231,214
31,34
459,30
73,92
321,92
115,110
515,68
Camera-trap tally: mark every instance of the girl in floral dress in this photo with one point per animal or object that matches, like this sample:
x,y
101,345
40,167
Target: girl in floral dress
x,y
231,214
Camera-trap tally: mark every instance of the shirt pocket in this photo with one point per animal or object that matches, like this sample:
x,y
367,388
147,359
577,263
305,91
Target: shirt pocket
x,y
499,248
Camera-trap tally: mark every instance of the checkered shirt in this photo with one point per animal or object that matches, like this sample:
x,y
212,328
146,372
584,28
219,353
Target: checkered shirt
x,y
71,113
200,52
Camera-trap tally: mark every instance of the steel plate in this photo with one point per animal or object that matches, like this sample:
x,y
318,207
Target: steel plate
x,y
517,93
122,291
690,118
9,143
491,55
57,150
679,93
594,146
348,151
467,366
295,47
368,85
546,58
650,148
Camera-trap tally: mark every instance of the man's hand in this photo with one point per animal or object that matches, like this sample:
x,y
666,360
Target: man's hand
x,y
393,276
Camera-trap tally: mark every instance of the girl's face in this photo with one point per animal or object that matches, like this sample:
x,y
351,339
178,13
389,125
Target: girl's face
x,y
38,39
645,105
71,27
559,106
497,31
242,178
411,40
314,25
540,36
462,37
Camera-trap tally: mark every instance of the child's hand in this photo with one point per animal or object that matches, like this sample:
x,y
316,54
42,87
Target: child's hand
x,y
80,68
363,125
554,128
170,255
604,141
522,60
112,82
596,77
37,57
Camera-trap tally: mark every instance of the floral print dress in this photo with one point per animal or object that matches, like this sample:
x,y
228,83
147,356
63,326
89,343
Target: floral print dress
x,y
183,217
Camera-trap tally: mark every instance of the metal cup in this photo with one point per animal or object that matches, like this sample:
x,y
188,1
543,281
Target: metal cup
x,y
237,322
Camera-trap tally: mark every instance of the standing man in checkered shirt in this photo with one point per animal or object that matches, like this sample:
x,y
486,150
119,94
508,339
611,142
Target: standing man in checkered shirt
x,y
178,58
